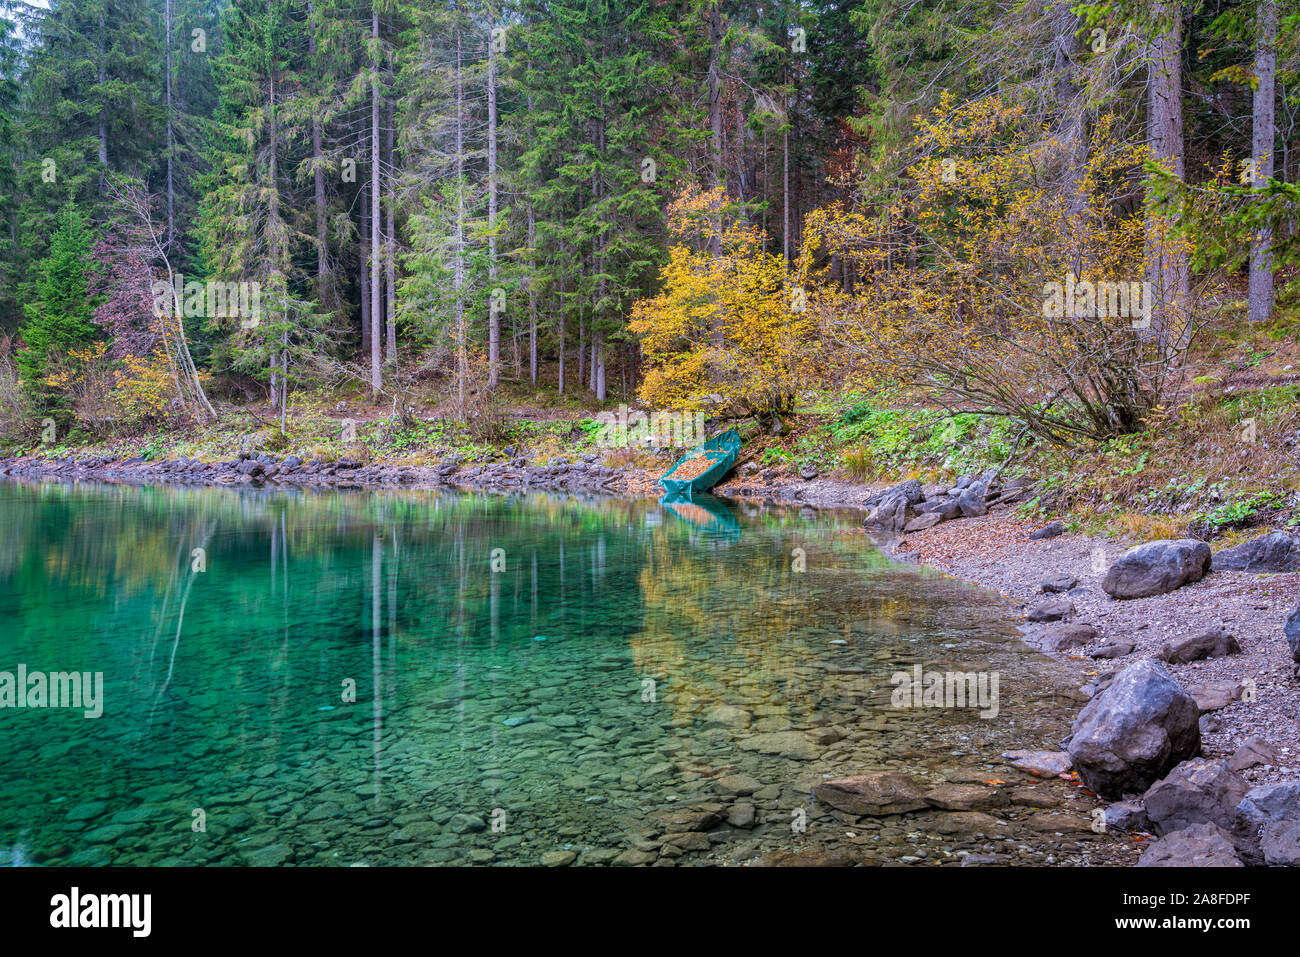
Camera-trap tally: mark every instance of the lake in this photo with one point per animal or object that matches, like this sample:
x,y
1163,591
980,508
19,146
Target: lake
x,y
344,678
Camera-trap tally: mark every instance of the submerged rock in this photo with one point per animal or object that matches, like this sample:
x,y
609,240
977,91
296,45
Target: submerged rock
x,y
877,794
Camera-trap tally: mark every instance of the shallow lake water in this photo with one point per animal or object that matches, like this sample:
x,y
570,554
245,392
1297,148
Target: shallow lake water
x,y
346,678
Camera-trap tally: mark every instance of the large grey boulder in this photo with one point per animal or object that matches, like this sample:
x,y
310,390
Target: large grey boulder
x,y
1214,643
1275,552
945,508
1292,631
1266,824
1196,792
1204,845
895,507
1129,736
1156,568
973,499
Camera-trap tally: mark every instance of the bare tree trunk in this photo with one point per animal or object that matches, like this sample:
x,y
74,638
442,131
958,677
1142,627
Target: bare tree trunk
x,y
363,253
1261,255
494,316
715,113
390,247
274,252
171,132
1166,262
1067,47
324,283
532,297
462,370
785,197
376,223
561,337
103,115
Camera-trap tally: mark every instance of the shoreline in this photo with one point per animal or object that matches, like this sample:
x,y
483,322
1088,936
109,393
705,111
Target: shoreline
x,y
993,551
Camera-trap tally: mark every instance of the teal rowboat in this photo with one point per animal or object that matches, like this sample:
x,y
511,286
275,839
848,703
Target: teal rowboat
x,y
722,452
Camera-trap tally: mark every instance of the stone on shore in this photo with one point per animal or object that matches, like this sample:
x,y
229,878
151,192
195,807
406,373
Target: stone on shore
x,y
1128,816
1040,763
1265,823
895,507
1276,552
1057,583
1053,610
1204,845
1292,632
1212,643
1196,792
923,521
1130,735
1252,753
1215,695
1050,530
1061,637
1156,568
1116,649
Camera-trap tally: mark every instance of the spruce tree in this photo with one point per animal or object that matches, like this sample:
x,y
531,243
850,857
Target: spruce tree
x,y
60,317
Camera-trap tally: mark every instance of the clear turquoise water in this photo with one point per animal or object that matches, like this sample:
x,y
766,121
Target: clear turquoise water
x,y
566,702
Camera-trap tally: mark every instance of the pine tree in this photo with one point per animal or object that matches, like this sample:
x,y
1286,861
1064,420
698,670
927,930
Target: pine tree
x,y
61,315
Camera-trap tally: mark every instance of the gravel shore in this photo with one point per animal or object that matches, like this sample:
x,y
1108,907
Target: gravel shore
x,y
995,551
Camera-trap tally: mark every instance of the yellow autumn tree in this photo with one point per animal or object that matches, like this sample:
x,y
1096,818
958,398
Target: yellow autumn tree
x,y
728,328
1008,275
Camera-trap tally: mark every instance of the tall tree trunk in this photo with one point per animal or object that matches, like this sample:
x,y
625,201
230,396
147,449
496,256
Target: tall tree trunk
x,y
171,133
376,223
560,331
462,370
274,252
364,256
715,114
1166,263
102,76
1067,46
324,284
532,297
390,245
494,315
1261,256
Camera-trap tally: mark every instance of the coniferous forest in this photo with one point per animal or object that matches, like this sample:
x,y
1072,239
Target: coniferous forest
x,y
697,203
